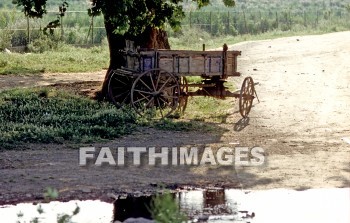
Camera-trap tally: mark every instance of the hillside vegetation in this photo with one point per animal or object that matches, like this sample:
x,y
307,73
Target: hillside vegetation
x,y
212,25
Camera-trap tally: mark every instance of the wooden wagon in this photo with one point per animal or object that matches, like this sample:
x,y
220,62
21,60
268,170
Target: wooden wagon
x,y
156,79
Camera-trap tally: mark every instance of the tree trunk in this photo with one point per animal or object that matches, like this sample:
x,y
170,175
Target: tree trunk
x,y
151,38
115,42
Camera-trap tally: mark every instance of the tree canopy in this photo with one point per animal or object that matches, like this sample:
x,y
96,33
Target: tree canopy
x,y
132,17
32,8
128,17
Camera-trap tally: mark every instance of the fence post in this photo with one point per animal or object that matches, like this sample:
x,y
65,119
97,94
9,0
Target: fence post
x,y
211,31
228,23
259,15
92,29
245,23
304,18
28,32
277,20
190,19
290,20
62,31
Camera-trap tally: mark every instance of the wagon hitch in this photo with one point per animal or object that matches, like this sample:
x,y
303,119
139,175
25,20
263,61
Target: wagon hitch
x,y
256,94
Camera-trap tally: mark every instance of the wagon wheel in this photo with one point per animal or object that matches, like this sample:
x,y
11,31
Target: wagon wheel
x,y
246,96
183,95
119,86
155,89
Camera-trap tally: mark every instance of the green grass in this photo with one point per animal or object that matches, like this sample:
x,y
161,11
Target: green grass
x,y
164,208
65,59
209,109
48,116
195,38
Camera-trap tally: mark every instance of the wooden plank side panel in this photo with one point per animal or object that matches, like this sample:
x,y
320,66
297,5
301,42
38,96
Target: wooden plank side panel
x,y
140,62
187,53
189,66
215,64
132,62
192,64
166,63
197,64
231,64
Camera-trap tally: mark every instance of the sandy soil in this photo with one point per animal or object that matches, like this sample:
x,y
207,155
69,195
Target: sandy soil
x,y
302,122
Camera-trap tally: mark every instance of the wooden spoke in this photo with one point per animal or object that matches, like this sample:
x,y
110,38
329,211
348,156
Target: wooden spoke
x,y
144,92
153,84
118,88
164,84
146,85
246,96
161,90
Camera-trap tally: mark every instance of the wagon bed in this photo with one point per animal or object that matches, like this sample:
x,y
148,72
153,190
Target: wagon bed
x,y
185,62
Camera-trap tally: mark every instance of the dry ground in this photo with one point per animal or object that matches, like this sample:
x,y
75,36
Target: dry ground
x,y
302,122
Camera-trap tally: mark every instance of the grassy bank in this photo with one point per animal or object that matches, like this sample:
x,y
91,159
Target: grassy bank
x,y
65,59
193,39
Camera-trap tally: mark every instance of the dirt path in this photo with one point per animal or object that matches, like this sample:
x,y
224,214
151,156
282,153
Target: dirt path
x,y
305,96
13,81
302,122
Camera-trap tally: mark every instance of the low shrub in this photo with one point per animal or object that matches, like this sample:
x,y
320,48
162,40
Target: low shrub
x,y
48,116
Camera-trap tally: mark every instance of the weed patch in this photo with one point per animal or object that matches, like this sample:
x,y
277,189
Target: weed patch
x,y
49,116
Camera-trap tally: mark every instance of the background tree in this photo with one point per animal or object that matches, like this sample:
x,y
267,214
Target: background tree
x,y
57,22
142,21
31,9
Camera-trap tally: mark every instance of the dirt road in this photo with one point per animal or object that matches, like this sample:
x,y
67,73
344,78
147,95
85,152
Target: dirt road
x,y
302,122
305,97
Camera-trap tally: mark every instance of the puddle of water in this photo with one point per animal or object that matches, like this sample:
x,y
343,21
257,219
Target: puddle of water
x,y
280,205
277,205
132,207
210,205
90,211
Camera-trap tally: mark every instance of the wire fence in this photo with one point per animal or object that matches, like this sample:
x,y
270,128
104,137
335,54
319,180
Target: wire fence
x,y
256,22
78,28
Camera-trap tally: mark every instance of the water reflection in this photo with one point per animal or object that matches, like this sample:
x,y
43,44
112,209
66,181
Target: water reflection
x,y
90,212
204,204
132,207
211,205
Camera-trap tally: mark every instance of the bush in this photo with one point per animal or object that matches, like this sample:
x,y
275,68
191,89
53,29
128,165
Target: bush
x,y
6,20
164,208
5,39
190,37
49,116
75,36
43,43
